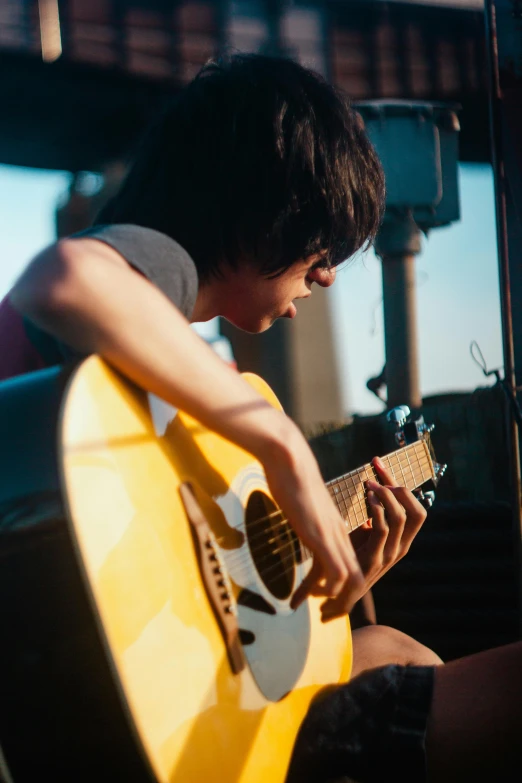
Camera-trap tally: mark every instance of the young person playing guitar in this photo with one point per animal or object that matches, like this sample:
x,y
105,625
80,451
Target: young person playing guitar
x,y
256,183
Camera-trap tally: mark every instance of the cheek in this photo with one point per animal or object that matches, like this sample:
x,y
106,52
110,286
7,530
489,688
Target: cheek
x,y
287,293
267,303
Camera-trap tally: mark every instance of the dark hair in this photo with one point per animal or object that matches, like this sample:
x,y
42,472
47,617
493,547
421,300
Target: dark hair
x,y
259,158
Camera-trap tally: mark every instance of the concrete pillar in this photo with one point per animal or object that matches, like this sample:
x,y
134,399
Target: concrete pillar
x,y
316,384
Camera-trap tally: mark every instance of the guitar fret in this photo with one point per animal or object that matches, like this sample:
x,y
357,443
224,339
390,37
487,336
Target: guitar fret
x,y
389,464
412,462
362,497
355,497
347,497
410,466
341,499
357,507
362,476
417,469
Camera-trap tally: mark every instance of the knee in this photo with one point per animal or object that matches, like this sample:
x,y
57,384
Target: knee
x,y
414,652
379,645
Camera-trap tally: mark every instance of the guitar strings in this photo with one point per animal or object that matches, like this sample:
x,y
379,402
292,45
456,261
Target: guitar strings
x,y
352,511
354,495
244,556
304,549
292,541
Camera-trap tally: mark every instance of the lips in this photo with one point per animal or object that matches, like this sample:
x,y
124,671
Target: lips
x,y
291,312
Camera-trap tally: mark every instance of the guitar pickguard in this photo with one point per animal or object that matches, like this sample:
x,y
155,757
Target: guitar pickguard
x,y
278,636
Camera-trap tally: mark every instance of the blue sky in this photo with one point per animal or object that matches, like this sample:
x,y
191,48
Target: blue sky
x,y
457,299
457,285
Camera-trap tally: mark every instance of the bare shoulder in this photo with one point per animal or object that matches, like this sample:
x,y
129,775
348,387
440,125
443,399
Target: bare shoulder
x,y
78,248
69,266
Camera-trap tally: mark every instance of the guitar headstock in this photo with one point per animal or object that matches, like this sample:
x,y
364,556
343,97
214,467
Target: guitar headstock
x,y
408,429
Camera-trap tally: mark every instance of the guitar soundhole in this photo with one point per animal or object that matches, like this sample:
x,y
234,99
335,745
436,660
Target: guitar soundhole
x,y
273,544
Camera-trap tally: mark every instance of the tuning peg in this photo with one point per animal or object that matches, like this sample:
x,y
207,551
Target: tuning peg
x,y
397,416
425,498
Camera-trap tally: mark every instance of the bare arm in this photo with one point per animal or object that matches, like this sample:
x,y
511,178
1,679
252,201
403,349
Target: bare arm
x,y
86,295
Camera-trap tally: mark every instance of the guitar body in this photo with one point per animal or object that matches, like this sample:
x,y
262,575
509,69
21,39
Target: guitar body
x,y
114,662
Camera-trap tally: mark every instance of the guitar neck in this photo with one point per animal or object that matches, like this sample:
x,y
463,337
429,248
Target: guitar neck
x,y
410,466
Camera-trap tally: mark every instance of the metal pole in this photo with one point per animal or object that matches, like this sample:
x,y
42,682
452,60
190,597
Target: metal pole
x,y
398,243
508,260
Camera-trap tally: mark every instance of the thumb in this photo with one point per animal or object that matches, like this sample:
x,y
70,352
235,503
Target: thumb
x,y
309,585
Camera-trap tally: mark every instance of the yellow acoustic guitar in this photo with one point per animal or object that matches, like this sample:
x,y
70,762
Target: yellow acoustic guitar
x,y
145,582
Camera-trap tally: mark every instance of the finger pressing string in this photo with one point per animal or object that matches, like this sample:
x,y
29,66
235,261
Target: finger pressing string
x,y
372,498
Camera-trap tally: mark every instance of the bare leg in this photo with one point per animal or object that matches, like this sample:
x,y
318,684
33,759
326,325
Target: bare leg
x,y
379,645
475,725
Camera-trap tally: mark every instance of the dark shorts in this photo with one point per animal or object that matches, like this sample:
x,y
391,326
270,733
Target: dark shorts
x,y
370,730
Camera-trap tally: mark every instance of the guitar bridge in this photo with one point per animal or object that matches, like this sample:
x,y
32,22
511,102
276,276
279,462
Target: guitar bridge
x,y
214,577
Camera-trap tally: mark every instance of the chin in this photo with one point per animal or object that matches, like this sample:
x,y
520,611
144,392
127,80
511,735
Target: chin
x,y
263,327
256,327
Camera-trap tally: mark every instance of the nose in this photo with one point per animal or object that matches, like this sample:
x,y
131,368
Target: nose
x,y
323,276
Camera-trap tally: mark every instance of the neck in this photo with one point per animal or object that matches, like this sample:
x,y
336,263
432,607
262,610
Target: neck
x,y
207,303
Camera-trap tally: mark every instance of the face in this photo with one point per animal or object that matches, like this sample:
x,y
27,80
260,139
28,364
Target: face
x,y
253,302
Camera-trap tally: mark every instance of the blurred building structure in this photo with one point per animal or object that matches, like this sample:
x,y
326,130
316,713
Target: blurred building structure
x,y
109,63
80,80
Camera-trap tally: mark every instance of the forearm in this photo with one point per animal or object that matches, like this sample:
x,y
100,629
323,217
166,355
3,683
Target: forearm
x,y
86,295
98,306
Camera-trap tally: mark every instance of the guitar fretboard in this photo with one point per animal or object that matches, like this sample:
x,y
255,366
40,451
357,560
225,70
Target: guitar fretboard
x,y
410,466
